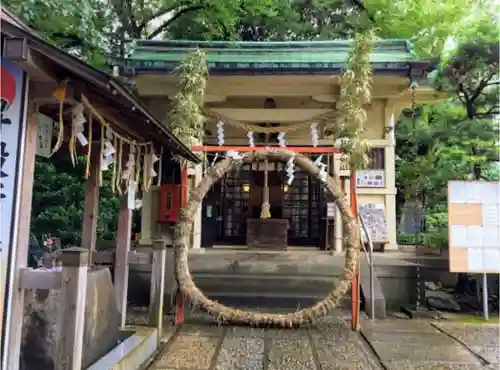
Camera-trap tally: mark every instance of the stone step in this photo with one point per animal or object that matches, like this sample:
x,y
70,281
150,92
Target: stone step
x,y
265,284
282,302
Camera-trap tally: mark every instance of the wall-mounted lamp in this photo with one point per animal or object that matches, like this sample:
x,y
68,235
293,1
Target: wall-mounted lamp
x,y
245,188
285,188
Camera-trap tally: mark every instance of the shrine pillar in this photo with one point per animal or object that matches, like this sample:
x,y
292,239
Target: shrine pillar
x,y
390,175
147,220
338,232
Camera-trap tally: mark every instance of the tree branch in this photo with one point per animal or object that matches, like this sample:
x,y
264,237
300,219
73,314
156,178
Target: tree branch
x,y
181,12
482,84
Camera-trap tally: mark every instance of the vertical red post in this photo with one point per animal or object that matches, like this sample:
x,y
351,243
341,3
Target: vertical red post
x,y
355,299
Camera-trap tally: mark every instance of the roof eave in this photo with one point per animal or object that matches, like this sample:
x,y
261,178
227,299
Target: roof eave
x,y
96,77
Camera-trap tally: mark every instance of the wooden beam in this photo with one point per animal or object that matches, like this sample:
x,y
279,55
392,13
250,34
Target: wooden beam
x,y
71,316
207,98
43,93
105,116
157,289
91,203
17,51
297,149
39,279
265,86
270,115
123,238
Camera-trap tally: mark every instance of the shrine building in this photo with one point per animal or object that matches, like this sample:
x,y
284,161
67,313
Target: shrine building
x,y
286,85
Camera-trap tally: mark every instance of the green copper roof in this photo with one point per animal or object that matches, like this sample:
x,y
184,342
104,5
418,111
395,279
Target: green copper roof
x,y
238,55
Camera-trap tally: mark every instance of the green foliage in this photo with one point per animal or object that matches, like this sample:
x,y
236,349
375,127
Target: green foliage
x,y
78,27
186,115
355,94
58,195
443,144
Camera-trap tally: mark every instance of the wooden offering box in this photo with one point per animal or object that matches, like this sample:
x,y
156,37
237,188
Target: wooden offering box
x,y
268,233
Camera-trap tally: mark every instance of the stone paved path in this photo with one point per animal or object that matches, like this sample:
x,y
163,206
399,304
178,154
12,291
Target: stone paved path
x,y
424,345
331,345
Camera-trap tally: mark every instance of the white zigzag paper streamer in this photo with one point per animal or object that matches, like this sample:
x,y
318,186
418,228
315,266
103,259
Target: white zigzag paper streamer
x,y
251,141
322,168
281,139
290,170
314,134
220,133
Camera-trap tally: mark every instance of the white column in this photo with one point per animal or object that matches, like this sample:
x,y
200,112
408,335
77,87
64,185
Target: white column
x,y
390,179
338,217
198,174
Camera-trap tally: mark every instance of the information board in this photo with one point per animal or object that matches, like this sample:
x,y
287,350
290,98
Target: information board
x,y
370,179
375,221
474,226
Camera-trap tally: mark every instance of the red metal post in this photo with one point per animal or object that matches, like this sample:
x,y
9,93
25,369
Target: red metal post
x,y
355,293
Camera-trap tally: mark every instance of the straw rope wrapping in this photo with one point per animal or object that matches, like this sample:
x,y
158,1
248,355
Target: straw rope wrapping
x,y
224,314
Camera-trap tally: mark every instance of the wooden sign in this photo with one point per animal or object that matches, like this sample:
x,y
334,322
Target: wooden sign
x,y
44,136
375,221
474,226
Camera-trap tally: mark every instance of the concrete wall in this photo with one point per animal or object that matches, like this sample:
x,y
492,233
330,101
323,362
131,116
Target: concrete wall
x,y
101,331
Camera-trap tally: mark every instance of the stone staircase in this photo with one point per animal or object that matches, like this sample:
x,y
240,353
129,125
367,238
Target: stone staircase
x,y
262,280
285,292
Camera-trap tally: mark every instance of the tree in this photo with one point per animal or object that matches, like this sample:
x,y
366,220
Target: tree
x,y
57,206
456,139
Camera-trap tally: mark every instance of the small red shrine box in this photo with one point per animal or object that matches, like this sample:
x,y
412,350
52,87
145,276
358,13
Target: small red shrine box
x,y
171,202
172,198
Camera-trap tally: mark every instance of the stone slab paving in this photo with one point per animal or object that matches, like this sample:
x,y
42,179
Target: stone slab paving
x,y
482,340
423,345
331,345
328,345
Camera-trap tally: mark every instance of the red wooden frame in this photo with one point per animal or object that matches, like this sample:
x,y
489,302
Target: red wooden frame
x,y
298,149
355,296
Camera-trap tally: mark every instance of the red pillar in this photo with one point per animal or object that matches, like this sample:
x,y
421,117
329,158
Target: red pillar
x,y
355,299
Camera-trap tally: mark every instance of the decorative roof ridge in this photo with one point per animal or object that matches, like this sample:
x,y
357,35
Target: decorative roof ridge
x,y
249,45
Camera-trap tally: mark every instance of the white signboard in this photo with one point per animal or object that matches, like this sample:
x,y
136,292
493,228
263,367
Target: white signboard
x,y
12,128
375,221
474,226
370,179
330,209
44,136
